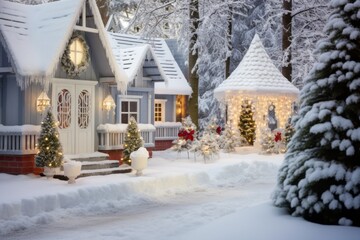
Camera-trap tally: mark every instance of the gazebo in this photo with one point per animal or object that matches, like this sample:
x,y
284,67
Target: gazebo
x,y
257,80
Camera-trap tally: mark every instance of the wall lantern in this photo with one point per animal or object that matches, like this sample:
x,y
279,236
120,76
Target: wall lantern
x,y
42,102
109,104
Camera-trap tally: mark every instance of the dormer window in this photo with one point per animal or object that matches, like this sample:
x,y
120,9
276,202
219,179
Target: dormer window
x,y
76,57
77,51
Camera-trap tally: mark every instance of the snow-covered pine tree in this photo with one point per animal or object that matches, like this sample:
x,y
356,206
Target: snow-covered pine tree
x,y
320,177
133,141
230,138
208,145
49,147
247,123
289,132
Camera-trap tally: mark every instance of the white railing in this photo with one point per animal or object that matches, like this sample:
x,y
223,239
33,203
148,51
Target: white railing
x,y
18,140
167,131
112,136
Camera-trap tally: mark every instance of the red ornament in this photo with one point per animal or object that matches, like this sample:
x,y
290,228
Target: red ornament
x,y
218,130
277,137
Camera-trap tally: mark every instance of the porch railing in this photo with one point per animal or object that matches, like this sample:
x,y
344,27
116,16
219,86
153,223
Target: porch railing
x,y
167,130
112,136
19,140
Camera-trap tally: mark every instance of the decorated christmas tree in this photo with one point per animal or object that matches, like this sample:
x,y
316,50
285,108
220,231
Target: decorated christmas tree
x,y
49,146
230,138
247,123
186,136
319,179
133,141
208,145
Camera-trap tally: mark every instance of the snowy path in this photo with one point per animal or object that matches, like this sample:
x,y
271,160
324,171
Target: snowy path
x,y
162,218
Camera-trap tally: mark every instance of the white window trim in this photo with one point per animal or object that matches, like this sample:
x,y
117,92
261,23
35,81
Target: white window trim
x,y
163,107
129,98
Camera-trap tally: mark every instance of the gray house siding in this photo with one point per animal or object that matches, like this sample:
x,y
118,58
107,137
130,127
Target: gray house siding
x,y
13,103
169,107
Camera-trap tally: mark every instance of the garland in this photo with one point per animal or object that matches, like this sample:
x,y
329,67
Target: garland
x,y
67,65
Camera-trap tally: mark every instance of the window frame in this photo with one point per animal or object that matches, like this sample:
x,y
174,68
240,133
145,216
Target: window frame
x,y
162,102
128,99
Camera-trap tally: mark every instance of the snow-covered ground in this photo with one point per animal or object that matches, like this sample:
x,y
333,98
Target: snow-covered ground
x,y
176,198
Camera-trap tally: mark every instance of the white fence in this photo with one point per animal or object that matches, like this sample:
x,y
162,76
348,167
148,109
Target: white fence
x,y
167,131
18,140
112,136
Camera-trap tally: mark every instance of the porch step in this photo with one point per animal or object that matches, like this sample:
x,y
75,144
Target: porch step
x,y
90,165
104,171
98,164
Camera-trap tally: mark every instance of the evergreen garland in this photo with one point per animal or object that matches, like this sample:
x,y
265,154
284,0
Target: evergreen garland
x,y
67,65
247,124
133,141
49,146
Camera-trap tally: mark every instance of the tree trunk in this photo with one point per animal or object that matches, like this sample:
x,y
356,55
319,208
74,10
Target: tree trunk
x,y
193,56
227,68
103,8
287,38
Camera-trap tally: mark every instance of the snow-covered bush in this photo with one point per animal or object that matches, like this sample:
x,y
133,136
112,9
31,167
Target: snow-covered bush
x,y
230,138
186,136
320,177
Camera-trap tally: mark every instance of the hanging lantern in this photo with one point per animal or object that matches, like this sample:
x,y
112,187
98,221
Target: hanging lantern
x,y
109,104
42,102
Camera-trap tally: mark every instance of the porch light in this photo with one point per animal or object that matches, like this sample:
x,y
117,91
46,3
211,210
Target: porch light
x,y
42,102
109,104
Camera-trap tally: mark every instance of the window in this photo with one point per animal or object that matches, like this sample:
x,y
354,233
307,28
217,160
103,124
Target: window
x,y
129,108
84,109
64,109
76,51
159,110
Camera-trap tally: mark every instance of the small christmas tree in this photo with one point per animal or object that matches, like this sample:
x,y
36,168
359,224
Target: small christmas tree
x,y
133,141
289,132
267,141
49,146
208,145
186,136
230,138
247,123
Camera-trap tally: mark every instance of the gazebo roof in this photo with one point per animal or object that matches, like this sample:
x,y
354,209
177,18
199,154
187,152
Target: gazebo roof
x,y
256,74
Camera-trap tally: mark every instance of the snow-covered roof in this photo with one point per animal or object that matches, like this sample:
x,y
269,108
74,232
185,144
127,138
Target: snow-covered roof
x,y
256,74
35,37
130,52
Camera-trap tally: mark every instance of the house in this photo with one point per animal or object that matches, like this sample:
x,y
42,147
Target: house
x,y
60,55
257,81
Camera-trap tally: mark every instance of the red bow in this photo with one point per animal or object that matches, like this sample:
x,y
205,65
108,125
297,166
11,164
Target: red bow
x,y
277,137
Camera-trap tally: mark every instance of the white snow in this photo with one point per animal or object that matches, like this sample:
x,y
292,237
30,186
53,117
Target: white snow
x,y
169,202
256,74
130,52
20,129
122,127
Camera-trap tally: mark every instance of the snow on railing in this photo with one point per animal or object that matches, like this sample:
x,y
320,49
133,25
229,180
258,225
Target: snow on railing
x,y
167,130
112,136
17,140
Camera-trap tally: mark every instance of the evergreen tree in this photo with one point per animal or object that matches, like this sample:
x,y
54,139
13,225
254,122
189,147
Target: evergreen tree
x,y
319,178
49,146
230,138
133,140
208,145
247,123
289,132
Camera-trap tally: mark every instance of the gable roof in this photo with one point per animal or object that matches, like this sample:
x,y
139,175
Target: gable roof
x,y
256,74
131,51
35,37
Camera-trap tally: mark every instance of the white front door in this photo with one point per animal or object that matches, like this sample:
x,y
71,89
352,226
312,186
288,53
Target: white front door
x,y
73,107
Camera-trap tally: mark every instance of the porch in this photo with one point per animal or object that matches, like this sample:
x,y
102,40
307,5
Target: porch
x,y
18,143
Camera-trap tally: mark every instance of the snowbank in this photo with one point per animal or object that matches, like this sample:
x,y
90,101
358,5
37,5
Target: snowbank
x,y
32,200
